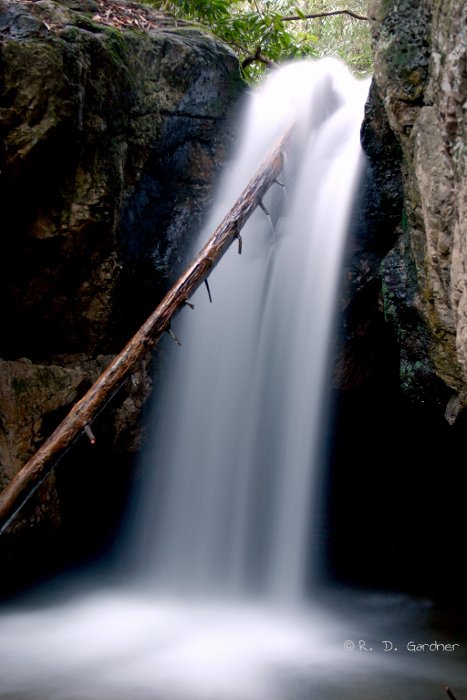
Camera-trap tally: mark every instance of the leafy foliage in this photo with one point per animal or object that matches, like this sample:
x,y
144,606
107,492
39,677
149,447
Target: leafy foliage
x,y
344,37
264,32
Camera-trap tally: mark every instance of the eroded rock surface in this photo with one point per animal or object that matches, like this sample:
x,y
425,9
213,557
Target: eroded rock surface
x,y
421,73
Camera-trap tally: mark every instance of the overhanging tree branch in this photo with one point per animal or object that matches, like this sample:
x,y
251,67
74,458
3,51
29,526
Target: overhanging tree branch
x,y
86,409
257,57
330,13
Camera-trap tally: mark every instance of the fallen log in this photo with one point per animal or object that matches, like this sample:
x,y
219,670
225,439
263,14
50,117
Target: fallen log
x,y
86,409
450,694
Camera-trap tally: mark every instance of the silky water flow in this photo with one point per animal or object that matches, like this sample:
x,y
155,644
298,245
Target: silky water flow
x,y
238,436
215,605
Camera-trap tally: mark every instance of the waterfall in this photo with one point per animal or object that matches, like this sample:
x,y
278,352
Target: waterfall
x,y
238,437
214,606
214,602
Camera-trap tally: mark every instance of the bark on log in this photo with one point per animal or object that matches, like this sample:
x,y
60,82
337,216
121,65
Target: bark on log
x,y
34,471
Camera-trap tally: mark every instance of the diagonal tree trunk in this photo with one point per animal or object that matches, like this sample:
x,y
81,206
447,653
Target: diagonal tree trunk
x,y
85,410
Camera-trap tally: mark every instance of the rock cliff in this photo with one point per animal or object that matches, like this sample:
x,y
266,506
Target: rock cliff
x,y
396,469
420,54
114,121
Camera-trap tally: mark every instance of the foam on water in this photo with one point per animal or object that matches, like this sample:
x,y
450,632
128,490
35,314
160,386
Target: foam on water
x,y
113,645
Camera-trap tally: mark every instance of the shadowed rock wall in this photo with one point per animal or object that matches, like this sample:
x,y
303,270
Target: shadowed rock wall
x,y
421,74
112,132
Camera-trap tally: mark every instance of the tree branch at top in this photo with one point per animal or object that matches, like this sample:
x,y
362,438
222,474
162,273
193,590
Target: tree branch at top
x,y
257,56
330,13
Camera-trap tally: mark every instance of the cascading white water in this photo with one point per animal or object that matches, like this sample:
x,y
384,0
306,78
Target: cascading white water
x,y
238,437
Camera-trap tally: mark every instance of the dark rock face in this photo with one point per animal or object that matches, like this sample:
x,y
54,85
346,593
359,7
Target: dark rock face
x,y
110,139
395,471
374,230
421,74
110,142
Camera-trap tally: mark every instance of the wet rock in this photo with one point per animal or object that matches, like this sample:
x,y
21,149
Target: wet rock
x,y
113,127
374,230
110,139
421,74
